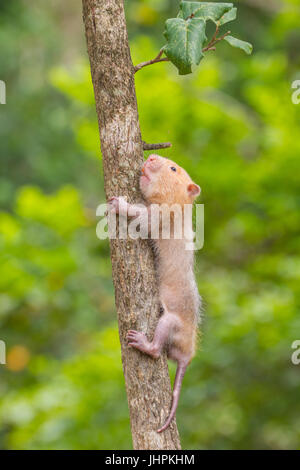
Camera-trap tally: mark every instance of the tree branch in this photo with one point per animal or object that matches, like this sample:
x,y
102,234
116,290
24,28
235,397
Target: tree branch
x,y
147,380
163,145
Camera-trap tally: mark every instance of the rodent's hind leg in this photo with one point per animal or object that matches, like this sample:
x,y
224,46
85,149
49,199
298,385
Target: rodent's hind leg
x,y
153,348
176,355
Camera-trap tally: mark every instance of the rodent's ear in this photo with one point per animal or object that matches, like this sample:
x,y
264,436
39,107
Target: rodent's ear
x,y
193,189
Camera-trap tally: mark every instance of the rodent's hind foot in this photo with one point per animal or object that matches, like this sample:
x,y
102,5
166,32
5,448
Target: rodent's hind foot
x,y
138,340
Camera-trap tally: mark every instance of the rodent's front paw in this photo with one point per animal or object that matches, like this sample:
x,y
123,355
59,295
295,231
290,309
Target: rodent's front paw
x,y
117,205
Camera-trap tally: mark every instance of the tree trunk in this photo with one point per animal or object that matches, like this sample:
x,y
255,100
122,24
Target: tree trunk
x,y
147,380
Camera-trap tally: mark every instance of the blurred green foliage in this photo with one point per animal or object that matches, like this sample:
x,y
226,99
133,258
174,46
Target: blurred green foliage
x,y
234,128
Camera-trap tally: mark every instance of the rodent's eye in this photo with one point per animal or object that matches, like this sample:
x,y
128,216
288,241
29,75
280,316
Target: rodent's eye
x,y
173,168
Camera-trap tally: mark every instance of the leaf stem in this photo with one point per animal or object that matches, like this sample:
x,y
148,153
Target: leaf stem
x,y
214,40
190,17
158,58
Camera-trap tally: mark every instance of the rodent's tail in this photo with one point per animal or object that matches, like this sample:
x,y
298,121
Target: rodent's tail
x,y
181,368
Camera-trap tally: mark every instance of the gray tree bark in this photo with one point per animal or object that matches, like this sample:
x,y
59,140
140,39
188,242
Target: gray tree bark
x,y
147,380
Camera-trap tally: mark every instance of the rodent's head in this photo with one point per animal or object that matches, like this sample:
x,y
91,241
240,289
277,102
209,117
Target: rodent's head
x,y
163,181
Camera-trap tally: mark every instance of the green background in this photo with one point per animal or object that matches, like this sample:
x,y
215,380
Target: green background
x,y
235,129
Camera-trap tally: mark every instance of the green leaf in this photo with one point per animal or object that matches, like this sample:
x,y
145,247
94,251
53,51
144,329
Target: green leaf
x,y
184,42
229,16
206,10
234,42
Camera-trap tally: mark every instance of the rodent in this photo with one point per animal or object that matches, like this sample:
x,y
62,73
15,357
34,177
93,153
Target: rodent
x,y
162,181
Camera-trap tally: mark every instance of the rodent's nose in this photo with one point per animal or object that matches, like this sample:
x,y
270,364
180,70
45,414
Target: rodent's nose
x,y
153,162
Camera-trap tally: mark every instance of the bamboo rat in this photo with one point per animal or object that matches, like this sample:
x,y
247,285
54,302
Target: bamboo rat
x,y
163,182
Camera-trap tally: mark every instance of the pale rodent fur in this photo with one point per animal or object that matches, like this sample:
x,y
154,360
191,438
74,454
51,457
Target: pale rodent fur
x,y
163,182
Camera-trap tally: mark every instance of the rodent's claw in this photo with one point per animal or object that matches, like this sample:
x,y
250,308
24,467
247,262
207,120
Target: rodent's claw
x,y
113,205
117,205
131,337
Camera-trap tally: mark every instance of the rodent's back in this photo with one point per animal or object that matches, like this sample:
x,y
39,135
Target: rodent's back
x,y
177,284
